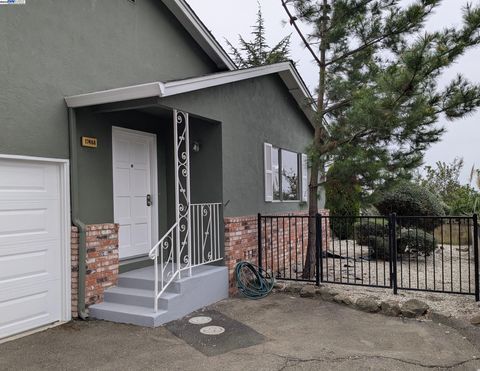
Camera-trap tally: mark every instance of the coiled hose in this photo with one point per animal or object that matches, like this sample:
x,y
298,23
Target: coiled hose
x,y
252,281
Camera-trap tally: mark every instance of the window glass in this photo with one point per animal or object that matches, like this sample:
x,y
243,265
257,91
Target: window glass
x,y
276,173
290,179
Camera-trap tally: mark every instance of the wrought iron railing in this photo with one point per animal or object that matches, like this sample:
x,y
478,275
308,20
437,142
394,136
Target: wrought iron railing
x,y
187,245
420,253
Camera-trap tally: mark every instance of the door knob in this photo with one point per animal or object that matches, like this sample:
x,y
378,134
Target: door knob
x,y
149,200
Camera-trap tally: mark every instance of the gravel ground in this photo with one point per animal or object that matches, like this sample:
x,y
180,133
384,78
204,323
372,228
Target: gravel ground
x,y
450,268
462,307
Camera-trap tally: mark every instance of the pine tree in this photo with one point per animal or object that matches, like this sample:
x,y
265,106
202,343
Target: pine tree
x,y
257,52
378,98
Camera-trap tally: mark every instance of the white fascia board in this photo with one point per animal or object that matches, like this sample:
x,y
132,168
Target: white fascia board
x,y
222,78
153,89
194,26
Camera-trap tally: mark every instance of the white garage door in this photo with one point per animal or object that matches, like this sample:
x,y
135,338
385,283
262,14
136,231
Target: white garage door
x,y
30,245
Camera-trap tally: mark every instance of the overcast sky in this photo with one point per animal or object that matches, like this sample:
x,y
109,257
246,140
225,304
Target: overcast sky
x,y
228,18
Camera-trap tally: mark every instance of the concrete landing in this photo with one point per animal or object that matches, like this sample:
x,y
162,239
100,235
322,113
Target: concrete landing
x,y
132,301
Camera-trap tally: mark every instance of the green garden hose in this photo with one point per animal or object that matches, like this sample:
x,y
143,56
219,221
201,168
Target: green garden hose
x,y
252,281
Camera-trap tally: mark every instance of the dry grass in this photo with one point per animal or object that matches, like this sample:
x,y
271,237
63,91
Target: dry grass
x,y
455,234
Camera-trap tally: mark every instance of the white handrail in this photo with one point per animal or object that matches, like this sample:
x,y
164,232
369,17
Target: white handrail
x,y
203,246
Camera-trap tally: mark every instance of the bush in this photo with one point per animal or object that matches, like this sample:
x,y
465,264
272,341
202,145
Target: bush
x,y
411,199
379,247
366,228
416,240
408,240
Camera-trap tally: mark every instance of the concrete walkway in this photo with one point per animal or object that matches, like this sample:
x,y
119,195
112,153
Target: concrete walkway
x,y
306,334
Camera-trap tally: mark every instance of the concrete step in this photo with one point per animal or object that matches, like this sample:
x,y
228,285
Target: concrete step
x,y
138,297
144,283
132,301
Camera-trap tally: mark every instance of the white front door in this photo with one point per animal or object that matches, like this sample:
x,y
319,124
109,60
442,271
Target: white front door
x,y
31,245
134,190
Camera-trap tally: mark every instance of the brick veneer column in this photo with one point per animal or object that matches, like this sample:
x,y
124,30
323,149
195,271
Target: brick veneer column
x,y
74,259
102,262
241,240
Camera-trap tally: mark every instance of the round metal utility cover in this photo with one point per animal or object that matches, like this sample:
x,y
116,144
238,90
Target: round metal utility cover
x,y
200,320
212,330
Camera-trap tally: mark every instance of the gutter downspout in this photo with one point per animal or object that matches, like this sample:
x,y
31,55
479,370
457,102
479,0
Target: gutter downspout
x,y
72,127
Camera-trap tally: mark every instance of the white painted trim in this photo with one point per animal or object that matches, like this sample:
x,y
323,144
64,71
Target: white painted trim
x,y
286,71
152,138
195,27
66,269
34,158
152,89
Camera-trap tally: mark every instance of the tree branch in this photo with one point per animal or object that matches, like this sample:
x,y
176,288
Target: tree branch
x,y
336,106
376,40
299,32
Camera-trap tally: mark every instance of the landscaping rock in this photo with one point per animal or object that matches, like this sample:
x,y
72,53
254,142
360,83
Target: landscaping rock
x,y
343,299
279,286
293,288
414,308
307,291
390,308
368,304
327,293
475,320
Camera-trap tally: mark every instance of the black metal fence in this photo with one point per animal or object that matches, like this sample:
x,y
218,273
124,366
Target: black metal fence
x,y
424,253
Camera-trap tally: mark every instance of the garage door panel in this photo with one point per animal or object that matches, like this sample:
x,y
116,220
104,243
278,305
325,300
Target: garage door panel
x,y
30,245
18,288
29,311
27,265
26,220
23,179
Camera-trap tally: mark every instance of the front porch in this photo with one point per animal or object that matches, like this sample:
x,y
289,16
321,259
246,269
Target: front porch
x,y
147,180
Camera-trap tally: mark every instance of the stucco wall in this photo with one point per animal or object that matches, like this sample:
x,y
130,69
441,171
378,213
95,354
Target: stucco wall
x,y
54,48
58,48
251,112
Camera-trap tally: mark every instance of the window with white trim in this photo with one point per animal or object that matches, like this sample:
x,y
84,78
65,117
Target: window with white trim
x,y
286,174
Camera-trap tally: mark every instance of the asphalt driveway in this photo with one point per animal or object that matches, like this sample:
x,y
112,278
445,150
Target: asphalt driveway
x,y
276,333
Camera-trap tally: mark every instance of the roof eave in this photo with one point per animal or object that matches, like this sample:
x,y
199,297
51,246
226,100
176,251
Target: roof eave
x,y
200,33
285,70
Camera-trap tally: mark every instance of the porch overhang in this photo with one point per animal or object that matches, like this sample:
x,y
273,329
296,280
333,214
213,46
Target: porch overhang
x,y
159,89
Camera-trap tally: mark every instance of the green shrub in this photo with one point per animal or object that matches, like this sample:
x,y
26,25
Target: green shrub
x,y
366,228
408,241
379,247
416,240
410,199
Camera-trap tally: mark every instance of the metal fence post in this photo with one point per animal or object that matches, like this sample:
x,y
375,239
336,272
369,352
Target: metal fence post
x,y
393,252
259,237
475,255
318,247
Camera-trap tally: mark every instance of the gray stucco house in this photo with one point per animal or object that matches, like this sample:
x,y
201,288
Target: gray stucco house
x,y
128,138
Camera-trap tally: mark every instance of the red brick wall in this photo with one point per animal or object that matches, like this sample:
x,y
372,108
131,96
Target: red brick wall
x,y
241,242
74,258
101,263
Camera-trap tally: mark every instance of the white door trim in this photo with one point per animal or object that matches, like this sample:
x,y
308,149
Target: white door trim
x,y
66,269
152,138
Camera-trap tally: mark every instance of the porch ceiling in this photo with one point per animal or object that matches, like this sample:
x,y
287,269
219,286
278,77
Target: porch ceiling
x,y
285,70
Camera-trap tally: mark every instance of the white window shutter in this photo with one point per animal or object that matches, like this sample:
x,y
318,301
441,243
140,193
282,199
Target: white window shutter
x,y
268,172
304,177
